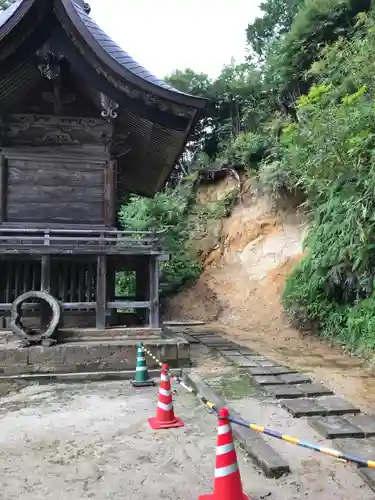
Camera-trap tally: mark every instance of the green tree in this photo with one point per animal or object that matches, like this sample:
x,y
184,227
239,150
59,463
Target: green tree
x,y
236,103
276,20
317,24
4,4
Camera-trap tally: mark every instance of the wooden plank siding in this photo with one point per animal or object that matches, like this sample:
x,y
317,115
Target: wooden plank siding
x,y
60,191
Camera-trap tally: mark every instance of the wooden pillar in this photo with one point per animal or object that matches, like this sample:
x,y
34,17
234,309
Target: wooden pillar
x,y
142,287
45,286
3,187
46,273
111,291
110,176
101,292
154,292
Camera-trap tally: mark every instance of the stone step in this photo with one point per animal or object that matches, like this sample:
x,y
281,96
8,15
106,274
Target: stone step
x,y
268,370
325,406
296,391
361,448
355,426
286,379
91,356
84,376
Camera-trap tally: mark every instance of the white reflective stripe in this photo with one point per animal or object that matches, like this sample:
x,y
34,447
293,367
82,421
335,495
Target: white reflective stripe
x,y
224,448
140,368
165,407
163,377
141,359
164,392
225,471
186,387
223,429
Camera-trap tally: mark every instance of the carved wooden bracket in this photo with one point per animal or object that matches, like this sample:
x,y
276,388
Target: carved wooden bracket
x,y
50,64
109,107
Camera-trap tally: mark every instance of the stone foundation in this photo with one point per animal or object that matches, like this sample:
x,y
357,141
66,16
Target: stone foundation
x,y
64,335
93,356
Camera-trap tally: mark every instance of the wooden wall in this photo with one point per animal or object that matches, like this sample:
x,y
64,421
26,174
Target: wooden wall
x,y
49,189
57,170
17,277
73,280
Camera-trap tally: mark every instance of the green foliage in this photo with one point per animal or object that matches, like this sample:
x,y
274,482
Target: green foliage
x,y
276,20
176,213
360,329
275,180
167,212
317,24
248,149
331,155
236,104
223,208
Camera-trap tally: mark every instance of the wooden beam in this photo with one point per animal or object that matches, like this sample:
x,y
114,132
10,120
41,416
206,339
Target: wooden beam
x,y
82,306
154,292
110,193
46,273
101,292
3,187
128,304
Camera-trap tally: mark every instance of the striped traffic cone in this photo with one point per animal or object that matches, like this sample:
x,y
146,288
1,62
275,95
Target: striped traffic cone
x,y
141,370
165,417
228,484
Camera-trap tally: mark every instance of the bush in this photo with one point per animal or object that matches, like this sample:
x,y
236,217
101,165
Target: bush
x,y
275,180
360,331
330,155
167,212
249,149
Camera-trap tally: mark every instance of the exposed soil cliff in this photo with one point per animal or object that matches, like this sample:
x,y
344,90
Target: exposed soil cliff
x,y
246,257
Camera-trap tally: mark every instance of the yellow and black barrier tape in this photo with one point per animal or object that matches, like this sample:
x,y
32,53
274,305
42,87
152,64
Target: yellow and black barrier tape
x,y
179,380
271,432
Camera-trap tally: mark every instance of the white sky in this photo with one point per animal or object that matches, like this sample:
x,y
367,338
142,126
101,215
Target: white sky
x,y
164,35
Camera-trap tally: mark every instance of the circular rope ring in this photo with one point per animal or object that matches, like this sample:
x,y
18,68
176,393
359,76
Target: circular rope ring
x,y
17,326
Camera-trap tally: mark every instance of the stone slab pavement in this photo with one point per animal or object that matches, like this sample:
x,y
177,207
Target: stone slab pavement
x,y
91,441
315,475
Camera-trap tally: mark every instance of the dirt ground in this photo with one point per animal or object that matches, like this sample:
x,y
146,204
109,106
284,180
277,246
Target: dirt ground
x,y
250,312
79,441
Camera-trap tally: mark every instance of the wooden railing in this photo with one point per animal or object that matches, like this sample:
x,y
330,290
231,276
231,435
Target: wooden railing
x,y
46,241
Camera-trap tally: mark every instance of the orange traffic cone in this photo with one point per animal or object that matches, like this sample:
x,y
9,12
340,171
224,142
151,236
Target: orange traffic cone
x,y
165,417
228,484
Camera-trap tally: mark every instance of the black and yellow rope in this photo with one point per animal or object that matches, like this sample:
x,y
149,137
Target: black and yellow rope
x,y
179,380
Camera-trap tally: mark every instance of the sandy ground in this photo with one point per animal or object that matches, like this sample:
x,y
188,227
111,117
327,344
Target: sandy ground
x,y
78,441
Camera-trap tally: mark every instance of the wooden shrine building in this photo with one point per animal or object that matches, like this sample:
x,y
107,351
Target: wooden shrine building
x,y
81,125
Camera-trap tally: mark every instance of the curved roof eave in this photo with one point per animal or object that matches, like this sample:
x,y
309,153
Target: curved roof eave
x,y
120,62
